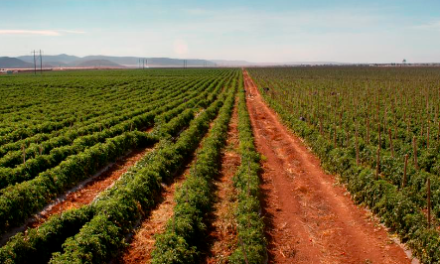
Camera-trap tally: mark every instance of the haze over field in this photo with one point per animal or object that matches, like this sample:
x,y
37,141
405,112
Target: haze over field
x,y
255,31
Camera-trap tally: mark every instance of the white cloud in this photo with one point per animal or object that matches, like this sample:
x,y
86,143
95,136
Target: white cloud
x,y
38,32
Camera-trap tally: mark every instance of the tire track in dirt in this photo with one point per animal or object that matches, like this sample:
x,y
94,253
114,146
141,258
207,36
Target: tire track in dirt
x,y
309,219
222,236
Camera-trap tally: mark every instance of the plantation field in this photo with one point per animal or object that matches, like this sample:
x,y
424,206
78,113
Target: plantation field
x,y
61,135
363,123
201,166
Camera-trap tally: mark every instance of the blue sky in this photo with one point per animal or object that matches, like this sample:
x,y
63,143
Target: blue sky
x,y
257,31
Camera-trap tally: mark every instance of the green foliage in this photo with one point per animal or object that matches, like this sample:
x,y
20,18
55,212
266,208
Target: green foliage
x,y
251,240
179,243
121,207
97,232
37,245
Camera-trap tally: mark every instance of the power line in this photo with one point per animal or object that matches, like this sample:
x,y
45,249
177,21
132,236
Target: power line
x,y
41,62
35,62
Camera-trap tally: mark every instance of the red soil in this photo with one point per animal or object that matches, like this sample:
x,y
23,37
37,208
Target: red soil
x,y
309,217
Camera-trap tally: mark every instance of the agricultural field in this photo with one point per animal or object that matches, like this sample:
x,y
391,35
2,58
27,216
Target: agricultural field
x,y
86,156
257,165
379,130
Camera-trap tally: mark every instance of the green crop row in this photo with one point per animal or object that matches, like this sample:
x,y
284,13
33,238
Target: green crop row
x,y
37,245
18,202
251,247
53,106
120,208
34,166
178,244
111,117
83,104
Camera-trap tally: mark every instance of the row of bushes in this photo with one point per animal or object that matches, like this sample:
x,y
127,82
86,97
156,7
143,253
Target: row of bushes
x,y
323,112
12,158
37,245
63,125
34,166
251,247
120,208
392,168
137,107
178,244
18,202
49,128
396,208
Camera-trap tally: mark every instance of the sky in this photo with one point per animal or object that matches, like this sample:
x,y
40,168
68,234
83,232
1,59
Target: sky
x,y
256,31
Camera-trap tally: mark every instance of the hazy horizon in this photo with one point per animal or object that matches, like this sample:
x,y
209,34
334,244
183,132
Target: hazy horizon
x,y
254,31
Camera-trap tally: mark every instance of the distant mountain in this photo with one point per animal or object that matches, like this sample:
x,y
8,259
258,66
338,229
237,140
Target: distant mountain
x,y
62,58
7,62
52,64
99,63
153,62
65,61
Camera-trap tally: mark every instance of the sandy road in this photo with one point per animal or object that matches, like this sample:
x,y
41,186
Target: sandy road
x,y
309,218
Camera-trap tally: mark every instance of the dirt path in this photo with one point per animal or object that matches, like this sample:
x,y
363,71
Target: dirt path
x,y
222,234
86,193
309,218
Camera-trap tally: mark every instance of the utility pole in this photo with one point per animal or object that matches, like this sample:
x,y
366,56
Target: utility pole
x,y
143,64
146,62
35,62
41,62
